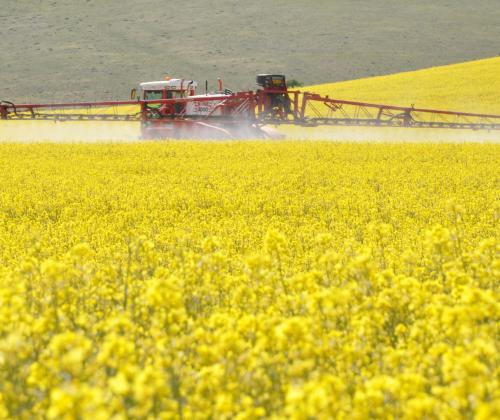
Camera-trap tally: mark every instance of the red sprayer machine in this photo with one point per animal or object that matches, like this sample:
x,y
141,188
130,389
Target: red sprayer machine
x,y
172,108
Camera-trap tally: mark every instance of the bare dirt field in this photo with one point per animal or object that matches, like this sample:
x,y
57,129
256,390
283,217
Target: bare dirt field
x,y
90,50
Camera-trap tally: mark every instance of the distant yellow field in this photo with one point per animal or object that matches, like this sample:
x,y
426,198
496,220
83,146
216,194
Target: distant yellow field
x,y
68,131
473,87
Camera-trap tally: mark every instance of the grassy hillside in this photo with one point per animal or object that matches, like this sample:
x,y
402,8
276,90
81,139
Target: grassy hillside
x,y
91,50
473,86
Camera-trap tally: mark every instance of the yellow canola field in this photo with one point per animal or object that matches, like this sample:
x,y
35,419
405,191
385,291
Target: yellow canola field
x,y
249,280
473,86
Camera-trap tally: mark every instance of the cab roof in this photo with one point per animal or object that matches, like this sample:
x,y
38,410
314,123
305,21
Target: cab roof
x,y
172,84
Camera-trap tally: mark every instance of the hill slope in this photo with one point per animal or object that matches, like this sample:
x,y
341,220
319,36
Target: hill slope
x,y
92,49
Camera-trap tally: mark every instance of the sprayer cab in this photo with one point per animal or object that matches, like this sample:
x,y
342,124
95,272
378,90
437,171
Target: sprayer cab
x,y
273,96
272,81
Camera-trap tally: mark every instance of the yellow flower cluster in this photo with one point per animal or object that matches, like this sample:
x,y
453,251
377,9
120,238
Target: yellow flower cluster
x,y
249,280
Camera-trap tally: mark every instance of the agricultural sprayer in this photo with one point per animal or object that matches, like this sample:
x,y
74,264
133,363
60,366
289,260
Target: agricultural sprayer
x,y
172,108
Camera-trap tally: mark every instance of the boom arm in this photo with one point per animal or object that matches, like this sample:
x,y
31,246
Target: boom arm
x,y
297,108
310,109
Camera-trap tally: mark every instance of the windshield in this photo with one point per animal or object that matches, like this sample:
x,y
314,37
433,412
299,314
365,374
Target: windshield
x,y
153,94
